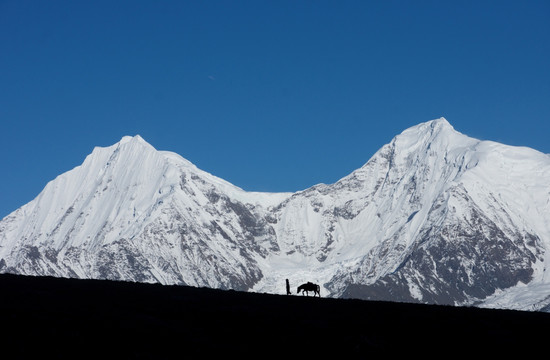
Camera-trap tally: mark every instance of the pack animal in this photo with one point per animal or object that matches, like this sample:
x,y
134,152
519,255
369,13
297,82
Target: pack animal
x,y
307,287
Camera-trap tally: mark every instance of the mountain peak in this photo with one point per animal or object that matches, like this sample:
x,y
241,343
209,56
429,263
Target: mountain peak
x,y
430,127
136,138
438,132
440,122
134,141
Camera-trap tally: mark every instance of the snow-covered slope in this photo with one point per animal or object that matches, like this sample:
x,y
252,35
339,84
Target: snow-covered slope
x,y
434,216
134,213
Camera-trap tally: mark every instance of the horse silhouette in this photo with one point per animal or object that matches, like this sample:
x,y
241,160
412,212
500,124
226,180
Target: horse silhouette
x,y
307,287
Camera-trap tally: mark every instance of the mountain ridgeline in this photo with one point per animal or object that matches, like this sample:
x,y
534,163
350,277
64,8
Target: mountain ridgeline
x,y
433,217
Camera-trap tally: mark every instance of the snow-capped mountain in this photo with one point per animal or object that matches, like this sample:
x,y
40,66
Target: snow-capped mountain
x,y
434,216
131,212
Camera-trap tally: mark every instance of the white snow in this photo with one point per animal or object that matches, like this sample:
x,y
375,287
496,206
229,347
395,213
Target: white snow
x,y
368,220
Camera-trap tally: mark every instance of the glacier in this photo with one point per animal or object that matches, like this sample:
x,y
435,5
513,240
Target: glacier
x,y
434,216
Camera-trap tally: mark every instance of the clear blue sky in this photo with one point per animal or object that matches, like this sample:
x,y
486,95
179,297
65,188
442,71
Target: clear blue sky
x,y
269,95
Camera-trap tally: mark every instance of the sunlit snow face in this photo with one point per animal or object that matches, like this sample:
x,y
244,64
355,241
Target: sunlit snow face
x,y
132,212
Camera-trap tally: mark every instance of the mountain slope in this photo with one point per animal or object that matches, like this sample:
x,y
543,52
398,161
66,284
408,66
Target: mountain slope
x,y
60,317
133,213
461,225
434,216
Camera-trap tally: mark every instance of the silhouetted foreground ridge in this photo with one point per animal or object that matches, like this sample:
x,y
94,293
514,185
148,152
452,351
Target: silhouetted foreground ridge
x,y
68,318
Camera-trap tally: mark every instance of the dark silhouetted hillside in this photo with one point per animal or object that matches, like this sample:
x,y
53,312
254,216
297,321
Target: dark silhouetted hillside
x,y
69,318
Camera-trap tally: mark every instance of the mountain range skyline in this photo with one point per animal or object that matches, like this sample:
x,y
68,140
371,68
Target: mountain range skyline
x,y
271,96
336,176
433,216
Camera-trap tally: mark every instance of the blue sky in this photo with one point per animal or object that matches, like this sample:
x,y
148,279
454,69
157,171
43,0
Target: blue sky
x,y
269,95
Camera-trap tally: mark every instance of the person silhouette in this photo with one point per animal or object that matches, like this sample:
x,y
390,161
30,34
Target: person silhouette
x,y
288,288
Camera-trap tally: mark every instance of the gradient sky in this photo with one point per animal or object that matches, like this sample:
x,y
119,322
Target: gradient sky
x,y
269,95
